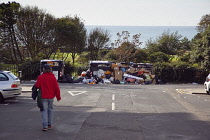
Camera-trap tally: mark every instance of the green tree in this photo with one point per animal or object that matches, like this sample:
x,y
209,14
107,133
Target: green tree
x,y
201,49
204,23
72,35
159,57
97,39
168,43
36,32
8,18
141,56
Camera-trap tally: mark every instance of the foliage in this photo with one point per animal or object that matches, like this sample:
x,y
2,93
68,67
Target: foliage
x,y
125,37
128,49
162,65
30,70
103,52
204,23
97,39
72,35
36,31
201,49
126,52
159,57
141,55
68,68
168,43
82,59
110,56
8,18
174,65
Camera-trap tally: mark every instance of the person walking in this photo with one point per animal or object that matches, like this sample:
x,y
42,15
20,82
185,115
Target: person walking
x,y
49,90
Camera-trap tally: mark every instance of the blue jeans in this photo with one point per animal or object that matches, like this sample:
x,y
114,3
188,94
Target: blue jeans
x,y
47,113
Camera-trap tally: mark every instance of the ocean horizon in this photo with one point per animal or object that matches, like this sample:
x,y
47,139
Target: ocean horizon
x,y
147,32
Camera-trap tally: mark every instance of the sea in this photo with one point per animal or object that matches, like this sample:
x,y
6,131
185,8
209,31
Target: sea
x,y
147,32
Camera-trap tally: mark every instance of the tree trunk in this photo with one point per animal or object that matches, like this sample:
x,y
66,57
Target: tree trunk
x,y
16,44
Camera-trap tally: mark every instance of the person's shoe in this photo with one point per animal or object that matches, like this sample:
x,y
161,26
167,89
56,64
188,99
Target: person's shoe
x,y
44,129
49,126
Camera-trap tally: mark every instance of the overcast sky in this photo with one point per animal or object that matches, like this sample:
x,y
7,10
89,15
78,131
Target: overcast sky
x,y
126,12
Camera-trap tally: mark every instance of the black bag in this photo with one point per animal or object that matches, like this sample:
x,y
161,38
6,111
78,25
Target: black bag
x,y
116,82
69,79
64,79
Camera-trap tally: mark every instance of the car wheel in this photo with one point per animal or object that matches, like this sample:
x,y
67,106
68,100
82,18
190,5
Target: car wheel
x,y
1,98
208,92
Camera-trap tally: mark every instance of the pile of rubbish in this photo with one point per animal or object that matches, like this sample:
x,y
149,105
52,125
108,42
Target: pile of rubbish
x,y
105,72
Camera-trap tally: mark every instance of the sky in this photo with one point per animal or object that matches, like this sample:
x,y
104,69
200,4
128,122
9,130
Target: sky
x,y
126,12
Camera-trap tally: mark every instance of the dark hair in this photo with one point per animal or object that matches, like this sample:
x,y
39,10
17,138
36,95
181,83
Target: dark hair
x,y
47,70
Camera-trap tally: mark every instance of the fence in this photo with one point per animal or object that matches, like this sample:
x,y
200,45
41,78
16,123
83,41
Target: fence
x,y
31,73
14,69
181,75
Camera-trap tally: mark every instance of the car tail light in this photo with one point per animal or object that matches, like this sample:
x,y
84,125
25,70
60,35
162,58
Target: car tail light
x,y
14,85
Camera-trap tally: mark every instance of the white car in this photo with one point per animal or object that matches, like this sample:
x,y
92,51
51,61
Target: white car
x,y
9,85
207,84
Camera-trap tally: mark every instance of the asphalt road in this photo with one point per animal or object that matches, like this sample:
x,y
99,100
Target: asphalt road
x,y
112,112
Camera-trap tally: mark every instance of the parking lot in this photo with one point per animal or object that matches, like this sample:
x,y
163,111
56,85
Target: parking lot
x,y
108,111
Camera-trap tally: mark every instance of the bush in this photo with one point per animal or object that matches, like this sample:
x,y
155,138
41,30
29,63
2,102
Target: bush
x,y
30,70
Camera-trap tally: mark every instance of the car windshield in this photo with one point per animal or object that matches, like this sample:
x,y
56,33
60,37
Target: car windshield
x,y
13,76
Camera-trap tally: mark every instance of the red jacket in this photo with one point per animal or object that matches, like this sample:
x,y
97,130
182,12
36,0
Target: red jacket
x,y
49,86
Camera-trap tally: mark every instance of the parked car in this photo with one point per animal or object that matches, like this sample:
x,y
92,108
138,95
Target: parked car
x,y
207,84
9,85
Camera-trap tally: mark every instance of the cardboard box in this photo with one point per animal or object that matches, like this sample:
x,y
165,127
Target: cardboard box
x,y
131,70
118,74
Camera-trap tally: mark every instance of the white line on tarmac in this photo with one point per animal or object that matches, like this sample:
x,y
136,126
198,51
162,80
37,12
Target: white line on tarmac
x,y
113,97
75,93
113,106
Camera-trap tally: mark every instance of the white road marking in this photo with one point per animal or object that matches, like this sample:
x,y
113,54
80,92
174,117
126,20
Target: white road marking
x,y
75,93
113,106
113,97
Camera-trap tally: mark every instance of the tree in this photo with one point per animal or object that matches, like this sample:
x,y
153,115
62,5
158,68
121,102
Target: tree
x,y
72,35
97,39
128,49
36,32
159,57
201,49
8,19
126,52
141,55
184,46
124,37
204,23
168,43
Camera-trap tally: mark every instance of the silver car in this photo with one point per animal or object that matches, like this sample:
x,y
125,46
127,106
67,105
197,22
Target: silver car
x,y
9,85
